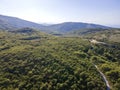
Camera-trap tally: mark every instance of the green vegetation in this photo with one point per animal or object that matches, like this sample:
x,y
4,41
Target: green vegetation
x,y
37,61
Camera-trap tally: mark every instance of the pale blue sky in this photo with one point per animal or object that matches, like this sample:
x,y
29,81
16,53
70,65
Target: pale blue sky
x,y
105,12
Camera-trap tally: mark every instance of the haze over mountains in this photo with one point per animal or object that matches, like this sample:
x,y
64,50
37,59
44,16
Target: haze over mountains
x,y
13,23
59,44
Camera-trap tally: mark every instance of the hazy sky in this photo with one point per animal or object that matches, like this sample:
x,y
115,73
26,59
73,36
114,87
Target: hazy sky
x,y
106,12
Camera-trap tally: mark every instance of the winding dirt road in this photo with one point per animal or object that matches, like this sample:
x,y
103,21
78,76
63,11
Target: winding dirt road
x,y
104,78
93,41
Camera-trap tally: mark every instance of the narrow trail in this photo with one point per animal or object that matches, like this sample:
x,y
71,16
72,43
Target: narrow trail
x,y
104,78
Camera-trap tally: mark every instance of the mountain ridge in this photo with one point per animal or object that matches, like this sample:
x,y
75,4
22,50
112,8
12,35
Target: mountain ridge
x,y
13,23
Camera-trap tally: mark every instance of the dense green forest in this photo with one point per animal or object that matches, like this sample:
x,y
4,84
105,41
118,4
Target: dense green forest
x,y
38,61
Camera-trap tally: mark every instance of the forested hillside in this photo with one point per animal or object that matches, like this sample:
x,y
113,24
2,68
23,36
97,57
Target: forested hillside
x,y
37,61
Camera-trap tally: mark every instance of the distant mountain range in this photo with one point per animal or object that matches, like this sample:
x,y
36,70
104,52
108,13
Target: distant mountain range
x,y
73,26
13,23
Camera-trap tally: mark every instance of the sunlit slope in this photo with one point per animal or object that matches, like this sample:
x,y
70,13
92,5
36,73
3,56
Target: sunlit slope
x,y
51,62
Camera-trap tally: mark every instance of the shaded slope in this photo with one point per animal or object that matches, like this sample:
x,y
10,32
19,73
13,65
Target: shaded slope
x,y
17,23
